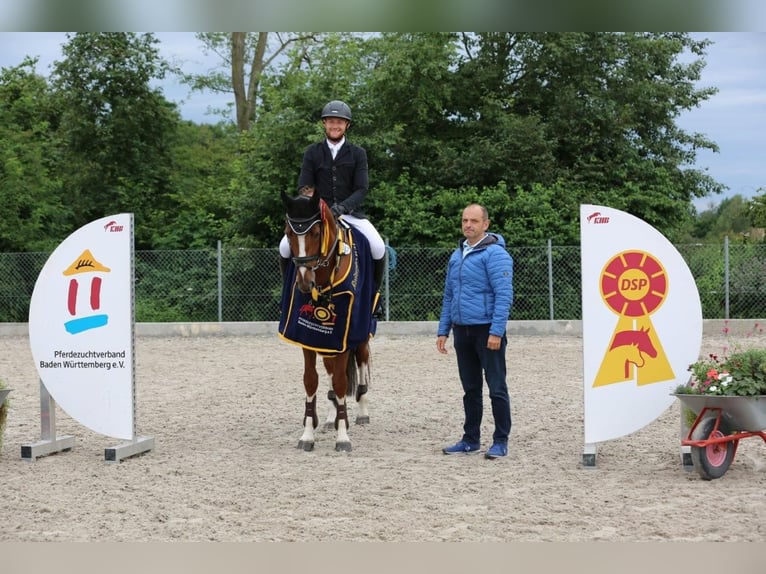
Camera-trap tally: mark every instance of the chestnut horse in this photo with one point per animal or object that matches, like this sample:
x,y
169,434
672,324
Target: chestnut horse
x,y
327,301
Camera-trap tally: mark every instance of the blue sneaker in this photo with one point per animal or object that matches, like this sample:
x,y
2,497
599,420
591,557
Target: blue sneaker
x,y
496,451
461,447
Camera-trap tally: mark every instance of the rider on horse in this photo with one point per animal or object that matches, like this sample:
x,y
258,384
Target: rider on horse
x,y
337,169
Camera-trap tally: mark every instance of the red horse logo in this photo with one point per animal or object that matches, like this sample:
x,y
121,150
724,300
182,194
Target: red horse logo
x,y
635,344
306,310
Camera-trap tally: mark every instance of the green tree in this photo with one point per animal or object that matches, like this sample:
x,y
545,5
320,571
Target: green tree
x,y
607,104
584,117
32,213
757,209
116,130
207,205
731,218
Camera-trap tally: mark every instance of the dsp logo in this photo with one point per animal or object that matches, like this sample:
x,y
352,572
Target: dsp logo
x,y
637,285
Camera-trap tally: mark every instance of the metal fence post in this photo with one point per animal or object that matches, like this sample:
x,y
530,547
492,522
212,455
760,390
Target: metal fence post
x,y
550,280
726,276
220,283
386,300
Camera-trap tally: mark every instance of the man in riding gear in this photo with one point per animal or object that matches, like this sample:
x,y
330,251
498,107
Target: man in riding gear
x,y
337,169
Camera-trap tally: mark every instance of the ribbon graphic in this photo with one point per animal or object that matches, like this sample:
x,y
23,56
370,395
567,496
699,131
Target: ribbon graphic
x,y
634,284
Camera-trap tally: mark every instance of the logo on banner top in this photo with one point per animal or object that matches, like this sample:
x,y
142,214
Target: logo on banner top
x,y
596,218
113,227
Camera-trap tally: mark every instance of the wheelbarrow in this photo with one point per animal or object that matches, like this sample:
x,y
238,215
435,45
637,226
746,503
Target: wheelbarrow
x,y
722,421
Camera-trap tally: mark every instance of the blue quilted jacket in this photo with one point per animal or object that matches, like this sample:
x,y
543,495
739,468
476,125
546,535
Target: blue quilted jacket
x,y
478,289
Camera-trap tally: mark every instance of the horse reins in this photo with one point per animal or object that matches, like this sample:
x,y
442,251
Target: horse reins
x,y
301,226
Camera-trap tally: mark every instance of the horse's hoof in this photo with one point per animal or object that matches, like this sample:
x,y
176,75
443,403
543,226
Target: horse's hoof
x,y
343,446
328,426
363,420
306,445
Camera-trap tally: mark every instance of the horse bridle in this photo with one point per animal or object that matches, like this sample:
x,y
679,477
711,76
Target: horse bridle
x,y
301,226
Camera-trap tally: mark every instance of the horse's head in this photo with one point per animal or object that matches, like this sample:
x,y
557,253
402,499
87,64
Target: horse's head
x,y
312,233
639,340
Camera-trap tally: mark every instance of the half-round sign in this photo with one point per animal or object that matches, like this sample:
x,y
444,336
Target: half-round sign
x,y
81,326
642,322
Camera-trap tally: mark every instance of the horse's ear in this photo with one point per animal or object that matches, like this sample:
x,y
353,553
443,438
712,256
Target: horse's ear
x,y
285,198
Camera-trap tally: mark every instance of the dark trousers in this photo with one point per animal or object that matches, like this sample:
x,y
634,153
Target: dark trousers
x,y
474,363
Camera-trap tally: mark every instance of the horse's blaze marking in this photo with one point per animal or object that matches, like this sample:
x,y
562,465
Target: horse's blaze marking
x,y
301,246
302,253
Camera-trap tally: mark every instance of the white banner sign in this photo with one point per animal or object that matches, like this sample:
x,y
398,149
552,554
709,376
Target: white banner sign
x,y
642,322
81,326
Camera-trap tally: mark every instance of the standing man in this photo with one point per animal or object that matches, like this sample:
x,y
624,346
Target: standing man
x,y
478,294
337,169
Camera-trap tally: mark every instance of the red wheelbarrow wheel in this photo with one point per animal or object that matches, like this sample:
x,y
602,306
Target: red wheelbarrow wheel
x,y
712,461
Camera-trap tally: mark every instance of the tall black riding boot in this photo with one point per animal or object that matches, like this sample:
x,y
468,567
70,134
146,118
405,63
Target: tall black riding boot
x,y
380,269
283,263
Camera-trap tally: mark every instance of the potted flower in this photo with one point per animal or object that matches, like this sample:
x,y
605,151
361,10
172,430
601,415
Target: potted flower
x,y
723,401
740,374
739,377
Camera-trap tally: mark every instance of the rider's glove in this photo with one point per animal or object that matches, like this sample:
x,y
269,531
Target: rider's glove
x,y
338,209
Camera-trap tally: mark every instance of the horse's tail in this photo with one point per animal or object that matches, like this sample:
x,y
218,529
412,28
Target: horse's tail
x,y
352,374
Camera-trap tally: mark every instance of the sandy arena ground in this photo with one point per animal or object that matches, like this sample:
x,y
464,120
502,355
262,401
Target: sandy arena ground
x,y
225,412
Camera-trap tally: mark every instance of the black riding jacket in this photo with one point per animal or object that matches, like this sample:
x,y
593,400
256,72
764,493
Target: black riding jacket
x,y
343,180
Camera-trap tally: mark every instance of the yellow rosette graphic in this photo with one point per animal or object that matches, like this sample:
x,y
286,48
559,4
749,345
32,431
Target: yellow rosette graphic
x,y
634,284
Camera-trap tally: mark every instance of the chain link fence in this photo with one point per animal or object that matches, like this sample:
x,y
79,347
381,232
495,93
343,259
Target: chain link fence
x,y
244,284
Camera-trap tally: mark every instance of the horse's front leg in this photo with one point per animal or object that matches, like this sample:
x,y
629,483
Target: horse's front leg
x,y
339,386
310,384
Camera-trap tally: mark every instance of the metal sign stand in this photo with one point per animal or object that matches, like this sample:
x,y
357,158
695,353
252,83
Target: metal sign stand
x,y
138,445
130,448
589,453
49,442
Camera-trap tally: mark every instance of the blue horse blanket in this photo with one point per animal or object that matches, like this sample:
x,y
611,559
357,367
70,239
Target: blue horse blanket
x,y
342,319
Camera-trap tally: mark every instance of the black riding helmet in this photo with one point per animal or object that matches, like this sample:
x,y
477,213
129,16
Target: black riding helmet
x,y
336,109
